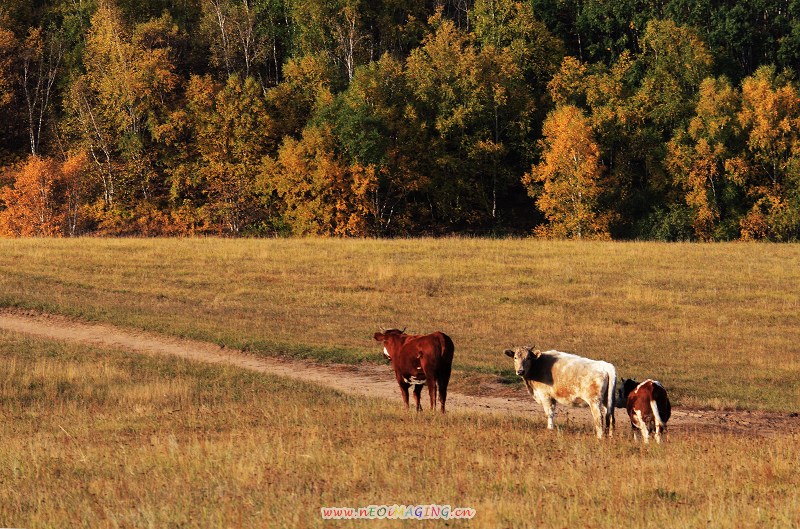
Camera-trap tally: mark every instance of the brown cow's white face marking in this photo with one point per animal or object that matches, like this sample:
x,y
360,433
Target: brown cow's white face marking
x,y
386,353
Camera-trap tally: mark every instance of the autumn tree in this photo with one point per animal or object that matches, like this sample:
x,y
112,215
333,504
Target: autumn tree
x,y
513,26
337,27
41,57
31,204
308,86
322,194
676,61
373,129
442,75
230,125
76,190
475,109
699,160
770,117
518,56
247,37
117,103
634,106
567,183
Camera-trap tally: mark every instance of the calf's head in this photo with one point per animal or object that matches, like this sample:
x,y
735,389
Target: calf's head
x,y
623,390
523,358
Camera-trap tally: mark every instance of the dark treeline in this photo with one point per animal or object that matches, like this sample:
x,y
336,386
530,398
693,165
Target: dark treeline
x,y
671,120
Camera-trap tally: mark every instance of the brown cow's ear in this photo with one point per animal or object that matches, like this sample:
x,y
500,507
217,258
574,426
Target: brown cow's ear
x,y
378,337
509,352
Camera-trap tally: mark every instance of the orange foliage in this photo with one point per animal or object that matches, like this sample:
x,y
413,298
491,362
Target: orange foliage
x,y
46,197
31,209
569,174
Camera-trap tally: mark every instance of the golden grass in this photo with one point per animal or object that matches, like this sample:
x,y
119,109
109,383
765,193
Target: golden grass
x,y
717,323
212,446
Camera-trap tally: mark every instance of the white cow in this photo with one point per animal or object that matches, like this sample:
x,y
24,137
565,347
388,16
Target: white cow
x,y
553,376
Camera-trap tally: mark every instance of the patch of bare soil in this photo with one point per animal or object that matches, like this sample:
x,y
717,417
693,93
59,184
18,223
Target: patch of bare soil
x,y
375,380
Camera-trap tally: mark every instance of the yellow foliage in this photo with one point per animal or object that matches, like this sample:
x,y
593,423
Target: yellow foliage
x,y
323,195
569,175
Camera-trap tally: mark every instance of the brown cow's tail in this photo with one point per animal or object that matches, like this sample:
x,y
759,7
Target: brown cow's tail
x,y
444,368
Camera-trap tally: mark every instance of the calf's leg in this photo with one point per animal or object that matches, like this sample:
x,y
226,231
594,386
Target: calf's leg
x,y
641,423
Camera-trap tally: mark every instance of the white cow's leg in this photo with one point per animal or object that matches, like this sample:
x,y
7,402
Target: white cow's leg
x,y
599,419
611,421
549,406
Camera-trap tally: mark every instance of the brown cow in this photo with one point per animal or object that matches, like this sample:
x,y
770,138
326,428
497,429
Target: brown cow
x,y
419,360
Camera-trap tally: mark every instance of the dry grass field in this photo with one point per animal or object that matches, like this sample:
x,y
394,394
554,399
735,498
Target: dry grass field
x,y
719,324
100,438
93,437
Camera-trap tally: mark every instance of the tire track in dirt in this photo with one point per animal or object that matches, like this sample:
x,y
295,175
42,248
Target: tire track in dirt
x,y
368,380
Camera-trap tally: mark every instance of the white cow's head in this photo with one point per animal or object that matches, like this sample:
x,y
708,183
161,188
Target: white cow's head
x,y
523,358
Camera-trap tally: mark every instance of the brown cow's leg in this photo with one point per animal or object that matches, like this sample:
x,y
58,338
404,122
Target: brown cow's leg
x,y
404,393
418,395
443,381
432,391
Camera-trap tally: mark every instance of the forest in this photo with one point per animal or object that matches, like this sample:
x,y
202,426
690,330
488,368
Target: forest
x,y
580,119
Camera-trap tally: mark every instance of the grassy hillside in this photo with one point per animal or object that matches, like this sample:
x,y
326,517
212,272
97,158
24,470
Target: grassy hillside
x,y
718,324
98,438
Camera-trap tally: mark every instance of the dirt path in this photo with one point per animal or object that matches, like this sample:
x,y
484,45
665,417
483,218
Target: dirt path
x,y
369,380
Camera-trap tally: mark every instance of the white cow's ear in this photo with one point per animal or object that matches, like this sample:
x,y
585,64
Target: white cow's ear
x,y
509,353
537,353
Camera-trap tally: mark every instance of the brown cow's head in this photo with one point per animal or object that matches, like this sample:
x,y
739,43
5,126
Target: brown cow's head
x,y
523,358
390,339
